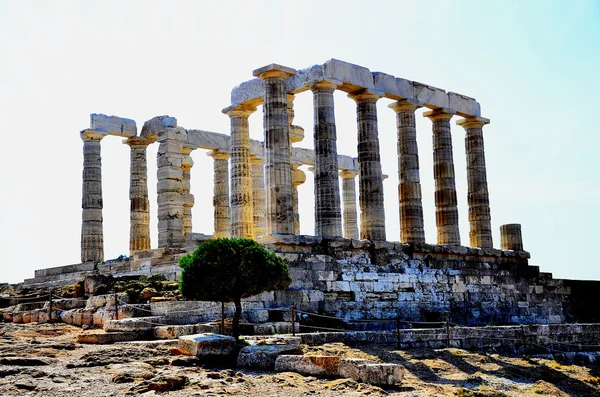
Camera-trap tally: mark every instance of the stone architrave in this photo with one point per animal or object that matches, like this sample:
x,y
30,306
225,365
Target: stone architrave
x,y
92,236
170,187
259,210
278,175
372,213
222,213
480,233
328,215
446,205
409,187
139,234
349,203
188,198
242,220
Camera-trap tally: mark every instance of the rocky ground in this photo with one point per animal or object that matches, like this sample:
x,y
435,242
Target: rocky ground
x,y
44,360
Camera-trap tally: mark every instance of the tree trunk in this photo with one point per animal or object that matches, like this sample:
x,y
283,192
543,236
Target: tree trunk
x,y
235,325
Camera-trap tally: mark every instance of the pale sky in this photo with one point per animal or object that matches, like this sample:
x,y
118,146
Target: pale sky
x,y
533,66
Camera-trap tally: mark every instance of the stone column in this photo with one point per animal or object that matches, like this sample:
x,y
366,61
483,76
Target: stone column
x,y
328,215
372,213
258,195
510,237
480,233
446,206
92,236
349,203
188,198
139,232
170,187
298,178
280,211
409,186
222,213
242,221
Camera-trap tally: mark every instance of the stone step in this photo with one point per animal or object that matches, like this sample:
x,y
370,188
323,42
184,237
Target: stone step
x,y
101,337
136,324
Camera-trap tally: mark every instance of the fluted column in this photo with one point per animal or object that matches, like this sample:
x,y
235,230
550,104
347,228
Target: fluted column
x,y
188,197
328,215
349,203
242,220
139,232
222,212
92,236
480,233
409,186
510,237
170,187
372,213
298,178
446,205
259,210
278,175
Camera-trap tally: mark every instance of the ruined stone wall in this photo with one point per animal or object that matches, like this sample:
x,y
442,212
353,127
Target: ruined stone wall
x,y
357,279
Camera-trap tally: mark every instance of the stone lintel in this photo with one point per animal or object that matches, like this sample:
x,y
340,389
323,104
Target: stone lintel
x,y
439,113
473,122
208,140
152,127
91,134
273,70
114,125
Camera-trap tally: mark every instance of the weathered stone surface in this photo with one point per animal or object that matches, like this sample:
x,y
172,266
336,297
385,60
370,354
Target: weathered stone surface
x,y
173,331
130,372
372,213
139,235
446,203
99,337
137,324
263,357
201,345
371,373
113,125
511,238
308,365
259,211
157,124
221,208
26,361
349,204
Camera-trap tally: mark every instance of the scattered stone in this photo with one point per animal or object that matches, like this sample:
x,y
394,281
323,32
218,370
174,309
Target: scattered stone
x,y
372,373
147,293
135,371
263,357
308,365
207,345
101,337
26,361
185,361
161,383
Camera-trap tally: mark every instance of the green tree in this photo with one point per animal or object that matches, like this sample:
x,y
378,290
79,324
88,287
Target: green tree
x,y
229,269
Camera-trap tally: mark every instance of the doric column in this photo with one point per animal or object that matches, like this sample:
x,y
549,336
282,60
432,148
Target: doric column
x,y
409,186
328,215
372,213
242,221
139,232
222,214
280,212
298,178
258,195
480,233
510,237
349,203
92,237
170,187
188,198
446,209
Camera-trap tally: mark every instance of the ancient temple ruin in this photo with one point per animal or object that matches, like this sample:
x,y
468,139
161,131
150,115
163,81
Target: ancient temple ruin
x,y
348,267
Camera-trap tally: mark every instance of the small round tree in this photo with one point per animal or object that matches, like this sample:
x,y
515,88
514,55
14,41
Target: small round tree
x,y
229,269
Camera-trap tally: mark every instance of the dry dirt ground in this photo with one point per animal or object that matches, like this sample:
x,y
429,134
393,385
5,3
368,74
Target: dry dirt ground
x,y
44,360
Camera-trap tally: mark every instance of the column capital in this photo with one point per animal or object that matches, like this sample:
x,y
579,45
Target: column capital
x,y
274,71
240,110
366,95
473,122
405,104
439,114
187,163
296,133
89,135
298,177
137,141
347,174
255,160
219,155
325,86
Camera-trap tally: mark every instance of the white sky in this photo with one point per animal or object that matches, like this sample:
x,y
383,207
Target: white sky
x,y
532,65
